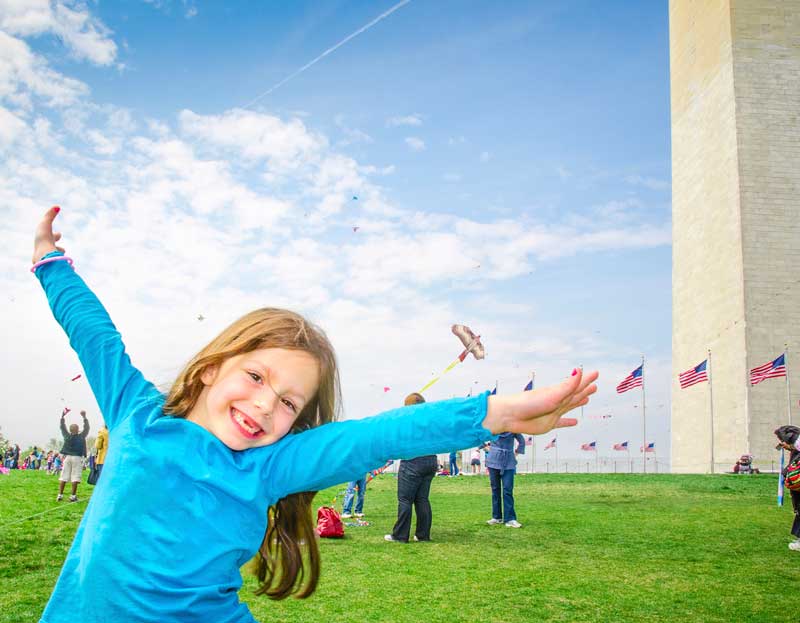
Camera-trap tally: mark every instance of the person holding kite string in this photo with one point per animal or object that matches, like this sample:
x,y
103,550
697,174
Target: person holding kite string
x,y
163,541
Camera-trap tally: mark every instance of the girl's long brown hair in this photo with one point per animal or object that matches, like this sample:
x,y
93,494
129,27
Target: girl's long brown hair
x,y
288,560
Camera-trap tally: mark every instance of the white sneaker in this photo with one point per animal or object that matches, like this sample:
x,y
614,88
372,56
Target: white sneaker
x,y
346,515
359,515
73,498
795,546
416,539
494,522
513,524
389,537
59,497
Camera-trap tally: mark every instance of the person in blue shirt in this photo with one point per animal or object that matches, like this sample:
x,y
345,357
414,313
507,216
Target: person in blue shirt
x,y
502,465
453,463
163,539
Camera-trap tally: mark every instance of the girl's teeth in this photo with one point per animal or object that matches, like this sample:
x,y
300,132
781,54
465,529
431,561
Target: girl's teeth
x,y
240,420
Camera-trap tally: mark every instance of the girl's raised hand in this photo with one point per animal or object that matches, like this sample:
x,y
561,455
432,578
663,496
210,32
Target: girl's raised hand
x,y
539,411
44,240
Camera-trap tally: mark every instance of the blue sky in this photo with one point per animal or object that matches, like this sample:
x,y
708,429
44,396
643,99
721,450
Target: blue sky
x,y
511,163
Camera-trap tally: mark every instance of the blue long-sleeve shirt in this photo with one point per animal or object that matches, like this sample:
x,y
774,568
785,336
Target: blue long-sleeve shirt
x,y
501,454
162,539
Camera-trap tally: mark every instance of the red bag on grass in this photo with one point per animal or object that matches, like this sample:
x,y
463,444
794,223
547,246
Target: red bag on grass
x,y
329,524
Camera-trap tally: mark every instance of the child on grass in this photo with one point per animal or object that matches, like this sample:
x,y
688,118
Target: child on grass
x,y
162,541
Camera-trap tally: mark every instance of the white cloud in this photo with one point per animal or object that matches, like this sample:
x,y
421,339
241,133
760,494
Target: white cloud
x,y
415,143
407,120
86,37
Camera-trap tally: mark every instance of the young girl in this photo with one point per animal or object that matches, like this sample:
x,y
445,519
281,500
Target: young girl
x,y
789,439
163,542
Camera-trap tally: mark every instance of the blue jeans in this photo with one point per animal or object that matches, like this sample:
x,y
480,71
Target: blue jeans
x,y
502,482
453,466
347,507
413,489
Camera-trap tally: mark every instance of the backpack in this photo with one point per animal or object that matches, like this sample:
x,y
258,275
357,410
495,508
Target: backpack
x,y
329,524
792,475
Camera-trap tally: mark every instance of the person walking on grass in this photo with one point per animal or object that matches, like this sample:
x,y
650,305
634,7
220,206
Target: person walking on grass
x,y
101,445
789,439
453,463
502,465
73,450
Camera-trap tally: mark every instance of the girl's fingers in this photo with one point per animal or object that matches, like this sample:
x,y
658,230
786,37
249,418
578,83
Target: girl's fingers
x,y
565,422
57,236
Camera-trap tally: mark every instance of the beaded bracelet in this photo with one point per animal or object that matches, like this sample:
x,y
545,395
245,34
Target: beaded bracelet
x,y
47,260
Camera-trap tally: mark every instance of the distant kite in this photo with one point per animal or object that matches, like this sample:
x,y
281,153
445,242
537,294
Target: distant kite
x,y
65,411
472,344
386,389
201,317
75,378
355,197
355,229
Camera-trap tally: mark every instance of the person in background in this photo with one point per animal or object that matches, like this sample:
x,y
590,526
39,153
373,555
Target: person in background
x,y
101,445
789,439
413,488
475,460
502,465
74,449
349,494
454,463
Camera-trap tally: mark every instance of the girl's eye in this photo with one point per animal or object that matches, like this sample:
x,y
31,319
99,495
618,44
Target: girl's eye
x,y
289,404
255,377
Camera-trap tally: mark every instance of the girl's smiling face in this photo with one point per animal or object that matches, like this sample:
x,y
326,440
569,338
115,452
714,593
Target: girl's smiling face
x,y
254,399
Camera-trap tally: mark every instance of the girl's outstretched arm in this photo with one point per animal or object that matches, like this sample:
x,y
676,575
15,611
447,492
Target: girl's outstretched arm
x,y
116,384
334,453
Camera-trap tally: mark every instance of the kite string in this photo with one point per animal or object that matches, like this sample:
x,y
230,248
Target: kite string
x,y
49,510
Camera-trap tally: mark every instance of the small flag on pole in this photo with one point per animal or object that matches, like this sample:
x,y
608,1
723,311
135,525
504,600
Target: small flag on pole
x,y
552,444
772,370
494,391
529,386
651,447
589,446
621,446
695,375
529,441
634,379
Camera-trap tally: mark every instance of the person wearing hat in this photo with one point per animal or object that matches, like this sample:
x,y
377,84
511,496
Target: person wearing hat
x,y
413,488
789,439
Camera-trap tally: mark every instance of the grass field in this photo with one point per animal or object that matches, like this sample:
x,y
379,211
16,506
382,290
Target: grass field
x,y
593,548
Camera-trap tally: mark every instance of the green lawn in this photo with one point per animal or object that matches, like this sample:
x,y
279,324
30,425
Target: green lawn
x,y
593,548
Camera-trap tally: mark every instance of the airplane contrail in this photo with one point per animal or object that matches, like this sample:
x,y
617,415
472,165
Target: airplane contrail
x,y
329,50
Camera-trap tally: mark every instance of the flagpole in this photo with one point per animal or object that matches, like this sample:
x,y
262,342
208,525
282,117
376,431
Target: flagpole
x,y
556,453
581,366
788,389
711,406
644,426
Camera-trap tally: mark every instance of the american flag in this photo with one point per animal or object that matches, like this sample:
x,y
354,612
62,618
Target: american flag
x,y
771,370
621,446
589,446
694,375
634,379
529,386
651,447
529,441
552,444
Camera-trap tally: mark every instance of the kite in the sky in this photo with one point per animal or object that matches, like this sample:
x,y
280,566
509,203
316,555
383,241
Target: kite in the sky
x,y
355,197
472,344
65,411
201,317
356,228
75,378
386,389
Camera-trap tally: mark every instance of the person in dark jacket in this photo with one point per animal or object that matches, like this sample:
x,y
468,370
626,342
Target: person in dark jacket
x,y
789,439
73,450
414,487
